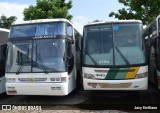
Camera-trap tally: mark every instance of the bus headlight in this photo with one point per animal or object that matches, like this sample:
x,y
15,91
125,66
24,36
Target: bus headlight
x,y
10,88
63,79
52,79
56,79
10,79
141,75
89,76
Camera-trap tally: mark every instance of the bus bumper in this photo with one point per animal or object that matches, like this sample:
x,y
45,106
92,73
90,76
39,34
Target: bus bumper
x,y
57,89
134,84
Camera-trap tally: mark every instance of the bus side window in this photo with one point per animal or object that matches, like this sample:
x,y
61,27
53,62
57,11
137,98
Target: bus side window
x,y
77,41
69,31
70,58
78,44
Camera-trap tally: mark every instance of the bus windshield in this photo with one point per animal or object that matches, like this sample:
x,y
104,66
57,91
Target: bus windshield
x,y
31,30
44,55
113,44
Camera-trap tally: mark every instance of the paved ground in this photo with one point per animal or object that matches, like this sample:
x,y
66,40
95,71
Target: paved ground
x,y
88,102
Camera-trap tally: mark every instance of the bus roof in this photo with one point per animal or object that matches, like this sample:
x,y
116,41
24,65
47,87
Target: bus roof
x,y
115,21
42,21
4,30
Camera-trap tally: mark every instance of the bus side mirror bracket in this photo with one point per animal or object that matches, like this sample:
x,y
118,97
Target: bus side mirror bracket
x,y
4,51
150,42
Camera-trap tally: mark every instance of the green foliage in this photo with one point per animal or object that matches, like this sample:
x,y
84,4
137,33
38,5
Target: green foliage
x,y
6,22
48,9
97,20
145,10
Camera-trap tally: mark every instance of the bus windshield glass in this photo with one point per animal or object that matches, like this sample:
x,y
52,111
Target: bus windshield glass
x,y
45,55
41,29
113,44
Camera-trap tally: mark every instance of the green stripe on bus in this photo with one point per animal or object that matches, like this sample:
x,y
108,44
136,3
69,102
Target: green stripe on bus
x,y
112,73
122,74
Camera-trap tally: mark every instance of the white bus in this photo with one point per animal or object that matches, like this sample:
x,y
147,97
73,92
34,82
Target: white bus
x,y
3,49
42,58
114,56
152,36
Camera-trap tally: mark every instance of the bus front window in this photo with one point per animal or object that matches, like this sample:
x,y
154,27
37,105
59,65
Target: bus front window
x,y
98,45
113,45
32,30
49,55
19,56
44,55
128,42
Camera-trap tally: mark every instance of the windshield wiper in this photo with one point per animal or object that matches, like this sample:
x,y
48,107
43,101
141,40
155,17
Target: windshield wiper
x,y
21,65
43,66
41,61
95,63
124,58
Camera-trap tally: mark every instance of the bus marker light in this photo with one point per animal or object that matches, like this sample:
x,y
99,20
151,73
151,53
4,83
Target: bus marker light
x,y
52,79
141,75
136,86
12,92
10,88
10,79
63,79
58,79
93,84
89,76
56,88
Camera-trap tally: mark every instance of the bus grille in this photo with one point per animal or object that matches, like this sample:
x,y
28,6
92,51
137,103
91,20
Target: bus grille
x,y
32,79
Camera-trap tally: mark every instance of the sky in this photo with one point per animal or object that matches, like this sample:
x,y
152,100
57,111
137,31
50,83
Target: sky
x,y
83,11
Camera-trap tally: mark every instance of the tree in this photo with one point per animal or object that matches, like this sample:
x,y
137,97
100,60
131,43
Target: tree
x,y
48,9
145,10
6,22
97,20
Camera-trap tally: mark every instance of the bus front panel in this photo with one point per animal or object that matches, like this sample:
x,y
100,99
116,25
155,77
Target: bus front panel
x,y
132,78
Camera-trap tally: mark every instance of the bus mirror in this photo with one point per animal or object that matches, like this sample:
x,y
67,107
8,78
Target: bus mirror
x,y
150,42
